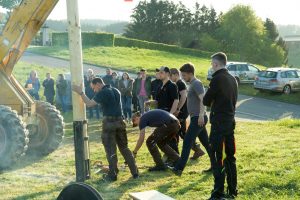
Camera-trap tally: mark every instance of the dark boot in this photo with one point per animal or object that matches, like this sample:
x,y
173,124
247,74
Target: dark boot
x,y
198,152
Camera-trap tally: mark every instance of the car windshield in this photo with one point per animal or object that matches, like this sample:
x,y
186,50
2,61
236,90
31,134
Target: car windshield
x,y
267,74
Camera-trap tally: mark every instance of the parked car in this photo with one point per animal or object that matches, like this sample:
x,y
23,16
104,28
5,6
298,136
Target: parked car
x,y
285,80
243,72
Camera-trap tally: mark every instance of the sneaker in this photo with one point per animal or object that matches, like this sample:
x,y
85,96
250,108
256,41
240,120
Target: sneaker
x,y
197,155
158,168
109,178
177,172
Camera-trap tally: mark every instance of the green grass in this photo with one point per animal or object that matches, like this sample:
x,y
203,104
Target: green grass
x,y
133,59
268,162
130,59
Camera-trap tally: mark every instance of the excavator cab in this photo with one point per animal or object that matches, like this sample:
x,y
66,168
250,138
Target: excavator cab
x,y
25,124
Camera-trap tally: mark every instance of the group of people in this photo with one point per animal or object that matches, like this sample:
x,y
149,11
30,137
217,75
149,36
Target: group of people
x,y
173,102
33,87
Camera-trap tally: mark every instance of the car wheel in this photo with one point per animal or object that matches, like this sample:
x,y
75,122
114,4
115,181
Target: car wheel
x,y
287,89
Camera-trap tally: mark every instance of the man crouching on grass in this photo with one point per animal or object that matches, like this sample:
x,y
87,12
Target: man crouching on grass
x,y
167,125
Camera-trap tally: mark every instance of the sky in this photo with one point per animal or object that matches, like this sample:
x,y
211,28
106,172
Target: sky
x,y
281,12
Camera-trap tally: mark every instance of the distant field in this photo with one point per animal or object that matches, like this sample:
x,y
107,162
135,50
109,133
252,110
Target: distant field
x,y
130,59
268,162
133,59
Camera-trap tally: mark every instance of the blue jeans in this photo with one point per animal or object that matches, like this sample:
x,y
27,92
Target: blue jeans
x,y
36,96
126,103
142,100
91,112
63,101
193,132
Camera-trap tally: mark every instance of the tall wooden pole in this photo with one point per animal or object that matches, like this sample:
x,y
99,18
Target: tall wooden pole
x,y
79,112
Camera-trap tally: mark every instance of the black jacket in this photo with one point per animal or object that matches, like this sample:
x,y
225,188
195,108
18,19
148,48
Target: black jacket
x,y
221,96
49,87
155,85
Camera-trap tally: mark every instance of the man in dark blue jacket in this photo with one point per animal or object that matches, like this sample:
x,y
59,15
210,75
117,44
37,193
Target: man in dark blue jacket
x,y
113,126
49,91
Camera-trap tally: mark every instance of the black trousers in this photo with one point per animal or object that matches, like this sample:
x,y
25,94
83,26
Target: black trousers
x,y
222,143
113,135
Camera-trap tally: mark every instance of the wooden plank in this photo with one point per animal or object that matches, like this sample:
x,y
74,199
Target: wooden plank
x,y
149,195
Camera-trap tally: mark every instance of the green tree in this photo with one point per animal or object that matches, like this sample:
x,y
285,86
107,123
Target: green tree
x,y
271,29
241,32
9,4
154,21
167,22
281,43
274,44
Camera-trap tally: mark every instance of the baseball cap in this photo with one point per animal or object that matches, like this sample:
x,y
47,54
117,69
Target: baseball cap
x,y
165,69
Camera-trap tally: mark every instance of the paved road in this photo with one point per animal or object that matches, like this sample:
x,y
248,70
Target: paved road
x,y
248,108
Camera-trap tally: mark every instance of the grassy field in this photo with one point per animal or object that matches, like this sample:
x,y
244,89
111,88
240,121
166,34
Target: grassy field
x,y
132,59
268,161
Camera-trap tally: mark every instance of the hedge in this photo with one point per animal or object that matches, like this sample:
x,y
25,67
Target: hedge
x,y
109,40
127,42
88,39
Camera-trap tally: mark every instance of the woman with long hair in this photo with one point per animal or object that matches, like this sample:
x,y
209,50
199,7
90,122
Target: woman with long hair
x,y
125,87
33,85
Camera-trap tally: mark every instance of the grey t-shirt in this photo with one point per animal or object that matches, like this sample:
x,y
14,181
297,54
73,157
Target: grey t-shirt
x,y
193,102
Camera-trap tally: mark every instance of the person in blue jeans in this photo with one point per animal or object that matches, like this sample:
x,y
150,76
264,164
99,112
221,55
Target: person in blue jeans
x,y
33,85
125,87
196,110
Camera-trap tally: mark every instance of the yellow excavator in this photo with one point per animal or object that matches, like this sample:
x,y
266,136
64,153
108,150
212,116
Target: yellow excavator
x,y
25,124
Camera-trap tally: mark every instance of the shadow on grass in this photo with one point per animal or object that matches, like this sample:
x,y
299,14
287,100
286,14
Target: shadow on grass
x,y
35,195
192,184
124,187
26,160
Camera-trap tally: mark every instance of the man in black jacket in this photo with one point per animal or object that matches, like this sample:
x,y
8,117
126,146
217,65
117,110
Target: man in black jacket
x,y
49,88
155,84
221,96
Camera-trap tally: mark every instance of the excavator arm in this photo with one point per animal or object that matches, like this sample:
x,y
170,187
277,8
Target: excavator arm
x,y
22,25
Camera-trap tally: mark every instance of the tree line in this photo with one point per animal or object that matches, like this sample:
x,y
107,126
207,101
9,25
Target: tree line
x,y
239,31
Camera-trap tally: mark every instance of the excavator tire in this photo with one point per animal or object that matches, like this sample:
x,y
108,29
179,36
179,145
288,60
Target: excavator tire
x,y
47,135
13,137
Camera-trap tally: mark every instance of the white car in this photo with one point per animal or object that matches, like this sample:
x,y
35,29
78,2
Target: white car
x,y
243,72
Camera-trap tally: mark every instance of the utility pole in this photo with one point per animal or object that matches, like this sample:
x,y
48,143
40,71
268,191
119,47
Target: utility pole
x,y
81,143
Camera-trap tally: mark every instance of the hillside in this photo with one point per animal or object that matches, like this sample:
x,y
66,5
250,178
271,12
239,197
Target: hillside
x,y
130,59
133,59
